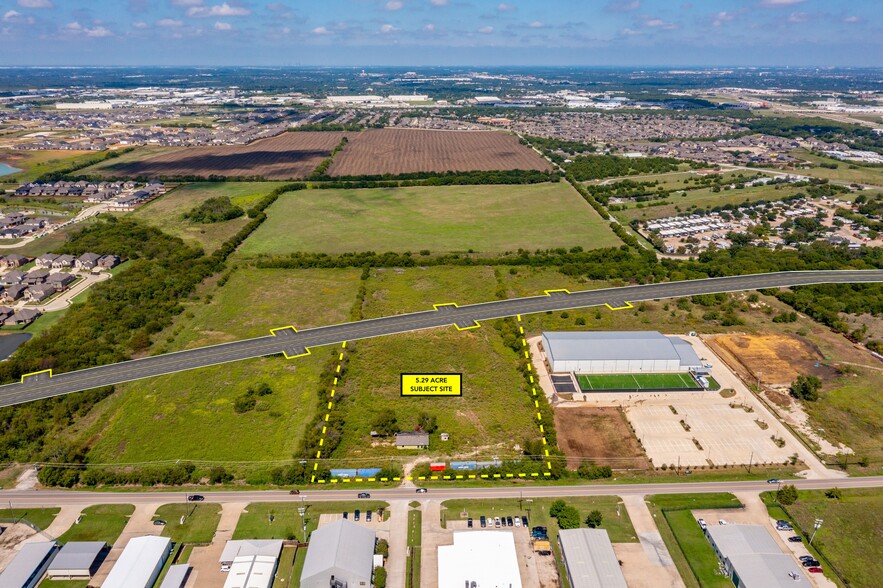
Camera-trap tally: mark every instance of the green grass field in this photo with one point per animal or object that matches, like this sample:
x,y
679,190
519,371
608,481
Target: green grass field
x,y
254,523
41,517
165,212
103,522
199,526
850,534
690,550
194,410
38,162
486,219
47,583
285,570
415,536
600,382
494,413
862,174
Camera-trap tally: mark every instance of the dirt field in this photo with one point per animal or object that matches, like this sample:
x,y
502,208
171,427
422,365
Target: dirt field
x,y
286,156
401,151
599,434
776,359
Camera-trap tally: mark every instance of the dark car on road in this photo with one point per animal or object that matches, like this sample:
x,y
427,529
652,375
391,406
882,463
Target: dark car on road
x,y
422,490
795,539
195,497
483,522
469,523
159,522
294,491
364,495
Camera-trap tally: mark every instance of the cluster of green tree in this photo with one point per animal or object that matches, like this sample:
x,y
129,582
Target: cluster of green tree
x,y
320,172
191,125
73,475
62,173
787,494
386,423
785,317
214,210
552,146
594,167
589,471
828,303
567,516
872,206
858,136
248,400
638,191
512,176
806,387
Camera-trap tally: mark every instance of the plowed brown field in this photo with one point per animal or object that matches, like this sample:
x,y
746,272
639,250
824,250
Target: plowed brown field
x,y
402,151
286,156
597,434
776,359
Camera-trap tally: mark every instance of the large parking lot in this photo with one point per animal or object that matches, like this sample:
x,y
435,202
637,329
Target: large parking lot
x,y
718,434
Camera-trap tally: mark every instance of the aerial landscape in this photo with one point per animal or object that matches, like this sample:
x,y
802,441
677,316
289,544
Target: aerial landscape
x,y
441,293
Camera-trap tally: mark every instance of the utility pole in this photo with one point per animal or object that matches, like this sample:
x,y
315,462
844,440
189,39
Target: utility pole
x,y
301,510
750,459
815,528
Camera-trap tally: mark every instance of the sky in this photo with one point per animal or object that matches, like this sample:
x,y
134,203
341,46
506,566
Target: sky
x,y
442,32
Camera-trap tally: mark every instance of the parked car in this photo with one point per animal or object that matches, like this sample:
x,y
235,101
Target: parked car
x,y
422,490
294,491
795,539
815,570
357,515
346,515
469,523
517,522
364,495
722,522
368,516
774,481
806,558
195,497
811,563
483,522
702,524
784,526
159,522
497,522
503,521
509,522
524,521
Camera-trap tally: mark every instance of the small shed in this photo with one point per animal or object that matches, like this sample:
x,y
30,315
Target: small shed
x,y
412,440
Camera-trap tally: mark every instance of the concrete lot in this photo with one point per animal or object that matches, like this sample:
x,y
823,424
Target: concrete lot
x,y
205,559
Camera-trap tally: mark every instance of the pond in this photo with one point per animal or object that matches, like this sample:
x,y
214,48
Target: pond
x,y
9,343
5,170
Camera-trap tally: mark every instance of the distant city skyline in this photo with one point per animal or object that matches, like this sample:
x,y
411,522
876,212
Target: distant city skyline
x,y
442,32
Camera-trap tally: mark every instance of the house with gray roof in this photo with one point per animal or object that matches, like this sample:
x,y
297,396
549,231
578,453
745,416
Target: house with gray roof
x,y
339,555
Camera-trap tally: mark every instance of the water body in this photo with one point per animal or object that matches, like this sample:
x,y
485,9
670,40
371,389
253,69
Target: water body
x,y
5,170
9,343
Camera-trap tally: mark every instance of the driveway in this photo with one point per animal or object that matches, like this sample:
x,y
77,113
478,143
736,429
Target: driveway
x,y
205,560
658,560
139,525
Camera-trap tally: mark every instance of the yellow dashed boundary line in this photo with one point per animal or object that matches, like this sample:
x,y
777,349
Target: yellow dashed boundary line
x,y
328,414
533,391
49,371
455,305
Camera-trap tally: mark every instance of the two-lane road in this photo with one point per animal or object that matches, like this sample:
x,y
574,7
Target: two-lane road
x,y
42,385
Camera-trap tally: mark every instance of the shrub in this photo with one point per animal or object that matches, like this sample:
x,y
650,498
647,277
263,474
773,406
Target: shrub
x,y
787,494
214,210
594,518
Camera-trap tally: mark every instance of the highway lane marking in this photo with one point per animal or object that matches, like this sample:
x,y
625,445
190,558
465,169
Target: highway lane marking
x,y
540,303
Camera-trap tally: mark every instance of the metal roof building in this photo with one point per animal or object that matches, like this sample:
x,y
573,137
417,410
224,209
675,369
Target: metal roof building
x,y
176,576
27,567
250,547
589,559
140,563
752,557
486,558
617,352
342,552
77,560
252,571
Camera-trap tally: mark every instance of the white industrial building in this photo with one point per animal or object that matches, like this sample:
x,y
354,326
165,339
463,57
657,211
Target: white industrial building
x,y
176,576
589,559
251,563
77,560
140,563
752,558
340,554
617,352
480,558
28,566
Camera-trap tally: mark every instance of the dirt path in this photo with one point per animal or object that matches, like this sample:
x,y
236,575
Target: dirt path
x,y
139,525
205,560
539,365
658,560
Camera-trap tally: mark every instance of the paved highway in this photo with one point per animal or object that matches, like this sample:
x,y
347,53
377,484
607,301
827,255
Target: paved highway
x,y
55,498
293,343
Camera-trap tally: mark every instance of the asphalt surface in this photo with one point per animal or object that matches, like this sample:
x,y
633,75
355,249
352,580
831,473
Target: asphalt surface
x,y
55,498
291,343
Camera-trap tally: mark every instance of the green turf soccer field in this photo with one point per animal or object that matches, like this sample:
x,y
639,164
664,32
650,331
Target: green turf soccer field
x,y
598,382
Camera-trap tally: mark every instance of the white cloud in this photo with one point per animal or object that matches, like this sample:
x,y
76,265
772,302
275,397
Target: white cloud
x,y
723,17
630,32
388,28
95,32
536,25
505,8
35,3
218,10
429,28
169,23
852,19
394,5
798,17
486,30
16,16
439,2
223,26
322,31
780,2
140,25
658,23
